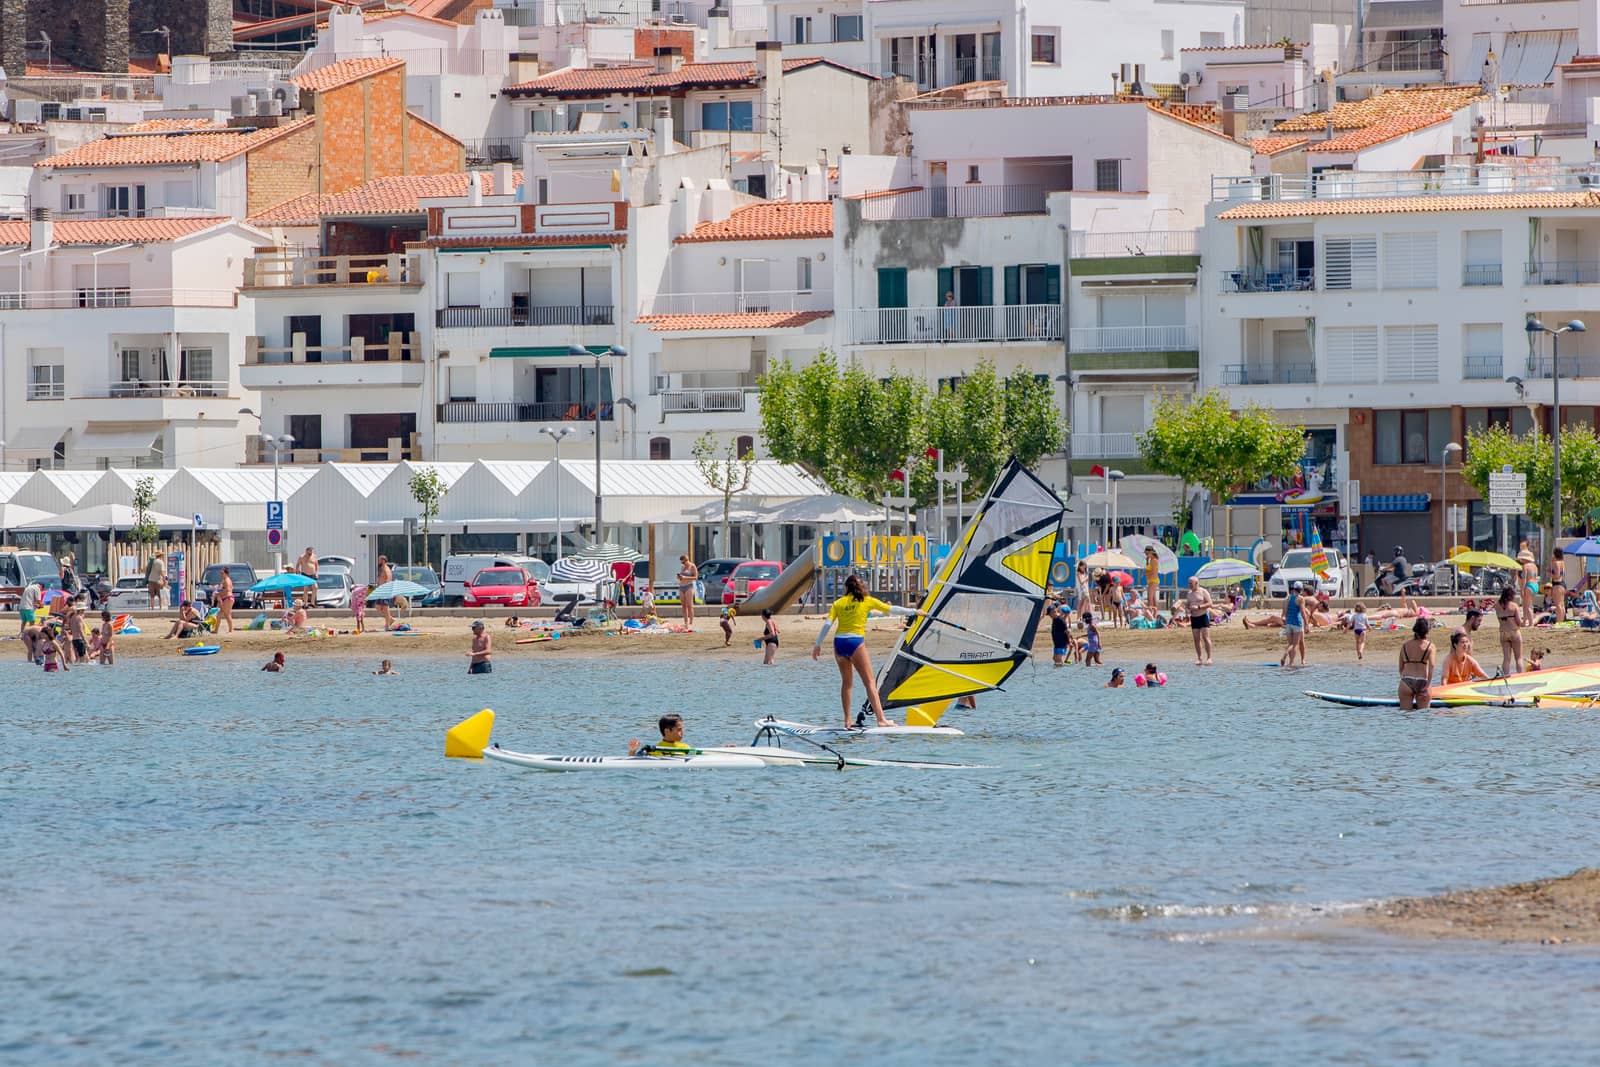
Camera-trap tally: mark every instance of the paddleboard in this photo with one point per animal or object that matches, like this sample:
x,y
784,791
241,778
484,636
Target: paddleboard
x,y
715,761
202,650
534,640
1436,702
840,733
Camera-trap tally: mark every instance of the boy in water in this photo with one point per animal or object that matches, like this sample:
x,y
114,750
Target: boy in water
x,y
671,727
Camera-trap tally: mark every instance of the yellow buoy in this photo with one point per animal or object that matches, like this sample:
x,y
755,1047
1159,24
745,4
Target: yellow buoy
x,y
468,738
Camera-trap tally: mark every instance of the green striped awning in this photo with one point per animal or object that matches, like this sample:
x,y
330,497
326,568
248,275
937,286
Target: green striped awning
x,y
545,351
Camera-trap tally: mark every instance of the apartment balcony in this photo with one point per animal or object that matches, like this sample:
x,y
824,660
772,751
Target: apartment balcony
x,y
953,202
686,401
537,411
1135,338
115,297
1134,243
1105,445
153,401
1249,280
256,453
1573,365
397,361
955,325
1269,374
727,303
1483,368
284,270
524,315
1474,275
1563,272
1505,175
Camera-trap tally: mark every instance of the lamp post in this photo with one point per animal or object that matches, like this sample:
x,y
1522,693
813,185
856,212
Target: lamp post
x,y
557,436
618,351
276,442
1574,326
1444,500
1115,479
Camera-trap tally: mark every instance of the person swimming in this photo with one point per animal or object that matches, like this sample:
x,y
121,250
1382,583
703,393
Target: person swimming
x,y
1151,677
671,743
275,664
1117,679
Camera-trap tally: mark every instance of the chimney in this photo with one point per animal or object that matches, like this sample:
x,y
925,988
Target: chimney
x,y
717,204
668,59
718,29
665,145
769,63
475,188
505,184
41,229
191,70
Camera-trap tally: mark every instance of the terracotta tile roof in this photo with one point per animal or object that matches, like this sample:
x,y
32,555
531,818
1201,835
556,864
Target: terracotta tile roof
x,y
1271,146
528,240
156,125
457,11
775,221
200,145
111,231
1379,133
1203,127
344,72
397,195
1355,114
1294,209
589,80
745,320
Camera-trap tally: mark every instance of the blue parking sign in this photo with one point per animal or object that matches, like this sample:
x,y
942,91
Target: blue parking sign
x,y
274,514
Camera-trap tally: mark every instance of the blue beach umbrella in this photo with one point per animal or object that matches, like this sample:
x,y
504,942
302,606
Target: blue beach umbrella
x,y
1589,546
390,590
279,583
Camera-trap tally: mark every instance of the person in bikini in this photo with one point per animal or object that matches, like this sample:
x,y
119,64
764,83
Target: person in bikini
x,y
1509,614
1459,666
850,643
1416,668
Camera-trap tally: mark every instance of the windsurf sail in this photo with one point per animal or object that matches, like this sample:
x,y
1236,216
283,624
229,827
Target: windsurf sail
x,y
983,606
1577,684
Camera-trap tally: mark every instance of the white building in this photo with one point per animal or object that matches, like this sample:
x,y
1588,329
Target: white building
x,y
1528,39
123,340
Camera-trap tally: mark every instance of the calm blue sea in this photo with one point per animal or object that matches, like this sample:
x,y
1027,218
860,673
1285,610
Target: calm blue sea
x,y
202,864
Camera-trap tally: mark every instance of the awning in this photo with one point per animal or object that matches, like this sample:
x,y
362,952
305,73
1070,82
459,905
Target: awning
x,y
31,442
1394,503
118,440
1531,57
542,351
1406,15
679,356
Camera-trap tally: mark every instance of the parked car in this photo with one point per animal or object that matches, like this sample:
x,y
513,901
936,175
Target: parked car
x,y
243,575
333,590
508,587
459,570
130,594
756,575
423,576
714,575
335,563
1296,567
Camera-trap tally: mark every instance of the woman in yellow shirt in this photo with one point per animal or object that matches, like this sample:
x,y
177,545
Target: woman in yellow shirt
x,y
850,643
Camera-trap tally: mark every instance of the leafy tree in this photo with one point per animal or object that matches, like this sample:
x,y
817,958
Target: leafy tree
x,y
1202,441
428,490
1532,454
144,529
726,471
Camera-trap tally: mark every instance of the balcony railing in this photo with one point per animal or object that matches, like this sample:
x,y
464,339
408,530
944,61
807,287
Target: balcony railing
x,y
256,453
1269,281
678,401
734,303
46,391
494,149
954,202
1134,338
1012,322
115,297
290,269
1476,274
1573,365
1135,243
539,411
1564,272
399,348
1269,374
553,315
1525,176
181,388
1482,368
1105,445
1405,55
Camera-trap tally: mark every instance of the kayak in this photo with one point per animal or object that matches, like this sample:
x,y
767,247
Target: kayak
x,y
841,733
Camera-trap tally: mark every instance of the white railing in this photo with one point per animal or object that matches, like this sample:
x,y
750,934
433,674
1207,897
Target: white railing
x,y
181,387
46,391
399,348
1527,177
733,303
1009,322
288,268
677,401
1134,338
115,297
1135,243
1105,445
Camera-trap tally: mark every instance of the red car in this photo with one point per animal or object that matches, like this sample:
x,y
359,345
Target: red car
x,y
501,587
758,573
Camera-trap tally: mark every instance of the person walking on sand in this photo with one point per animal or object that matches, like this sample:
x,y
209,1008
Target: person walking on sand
x,y
769,637
1152,577
1358,623
1416,668
1556,583
358,607
1198,602
1529,581
225,601
155,578
726,622
308,567
482,649
688,575
1509,614
850,643
384,576
31,604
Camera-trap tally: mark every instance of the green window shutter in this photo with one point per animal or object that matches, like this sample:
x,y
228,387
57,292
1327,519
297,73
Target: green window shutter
x,y
986,286
1013,285
891,287
1052,284
947,284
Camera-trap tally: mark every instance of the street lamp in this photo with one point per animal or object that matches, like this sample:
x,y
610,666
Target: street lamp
x,y
1575,326
1114,478
580,351
1444,505
557,436
277,442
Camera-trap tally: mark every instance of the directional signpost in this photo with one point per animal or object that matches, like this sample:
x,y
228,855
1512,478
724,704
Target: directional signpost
x,y
1508,493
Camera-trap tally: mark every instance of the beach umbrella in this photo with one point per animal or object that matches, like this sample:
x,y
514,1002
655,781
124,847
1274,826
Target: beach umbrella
x,y
608,553
1135,544
279,583
1589,546
1493,559
1223,571
576,569
1110,557
390,590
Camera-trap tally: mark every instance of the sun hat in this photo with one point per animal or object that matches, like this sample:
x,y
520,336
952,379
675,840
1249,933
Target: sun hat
x,y
1525,556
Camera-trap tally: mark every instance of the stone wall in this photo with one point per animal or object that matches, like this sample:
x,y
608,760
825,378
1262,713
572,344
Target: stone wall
x,y
13,34
92,34
199,27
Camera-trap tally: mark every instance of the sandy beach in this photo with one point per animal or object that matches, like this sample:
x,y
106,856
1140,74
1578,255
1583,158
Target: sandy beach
x,y
1555,911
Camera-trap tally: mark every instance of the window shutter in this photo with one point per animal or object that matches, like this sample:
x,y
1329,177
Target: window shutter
x,y
1410,261
891,287
947,284
1350,263
986,286
1052,284
1411,353
1349,354
1013,285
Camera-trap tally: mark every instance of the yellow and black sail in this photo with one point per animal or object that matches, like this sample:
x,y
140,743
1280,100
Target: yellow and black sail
x,y
983,604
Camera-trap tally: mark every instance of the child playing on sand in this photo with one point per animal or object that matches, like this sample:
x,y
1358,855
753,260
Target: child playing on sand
x,y
769,637
1358,623
726,622
358,606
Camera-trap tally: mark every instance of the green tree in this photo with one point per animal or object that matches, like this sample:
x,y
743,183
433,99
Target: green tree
x,y
1490,449
726,471
428,490
144,529
1203,441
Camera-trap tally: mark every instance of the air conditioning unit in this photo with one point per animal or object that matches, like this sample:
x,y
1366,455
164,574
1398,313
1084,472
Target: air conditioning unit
x,y
73,114
26,112
289,94
273,108
122,91
1190,78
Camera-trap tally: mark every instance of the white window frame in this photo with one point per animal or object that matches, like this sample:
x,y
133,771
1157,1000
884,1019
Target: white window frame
x,y
1348,355
1350,262
1411,260
47,374
1411,353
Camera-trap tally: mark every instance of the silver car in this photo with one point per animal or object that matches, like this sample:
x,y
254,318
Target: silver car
x,y
333,590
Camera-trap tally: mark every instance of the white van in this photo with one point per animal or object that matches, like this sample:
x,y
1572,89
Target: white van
x,y
19,567
459,570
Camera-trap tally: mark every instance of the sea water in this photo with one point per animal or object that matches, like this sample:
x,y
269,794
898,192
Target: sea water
x,y
204,864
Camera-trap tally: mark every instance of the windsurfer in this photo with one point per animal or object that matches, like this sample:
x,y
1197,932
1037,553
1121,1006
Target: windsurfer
x,y
850,643
671,727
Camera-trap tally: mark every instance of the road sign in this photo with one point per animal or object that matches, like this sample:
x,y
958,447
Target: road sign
x,y
274,514
1508,493
274,538
198,521
1352,498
